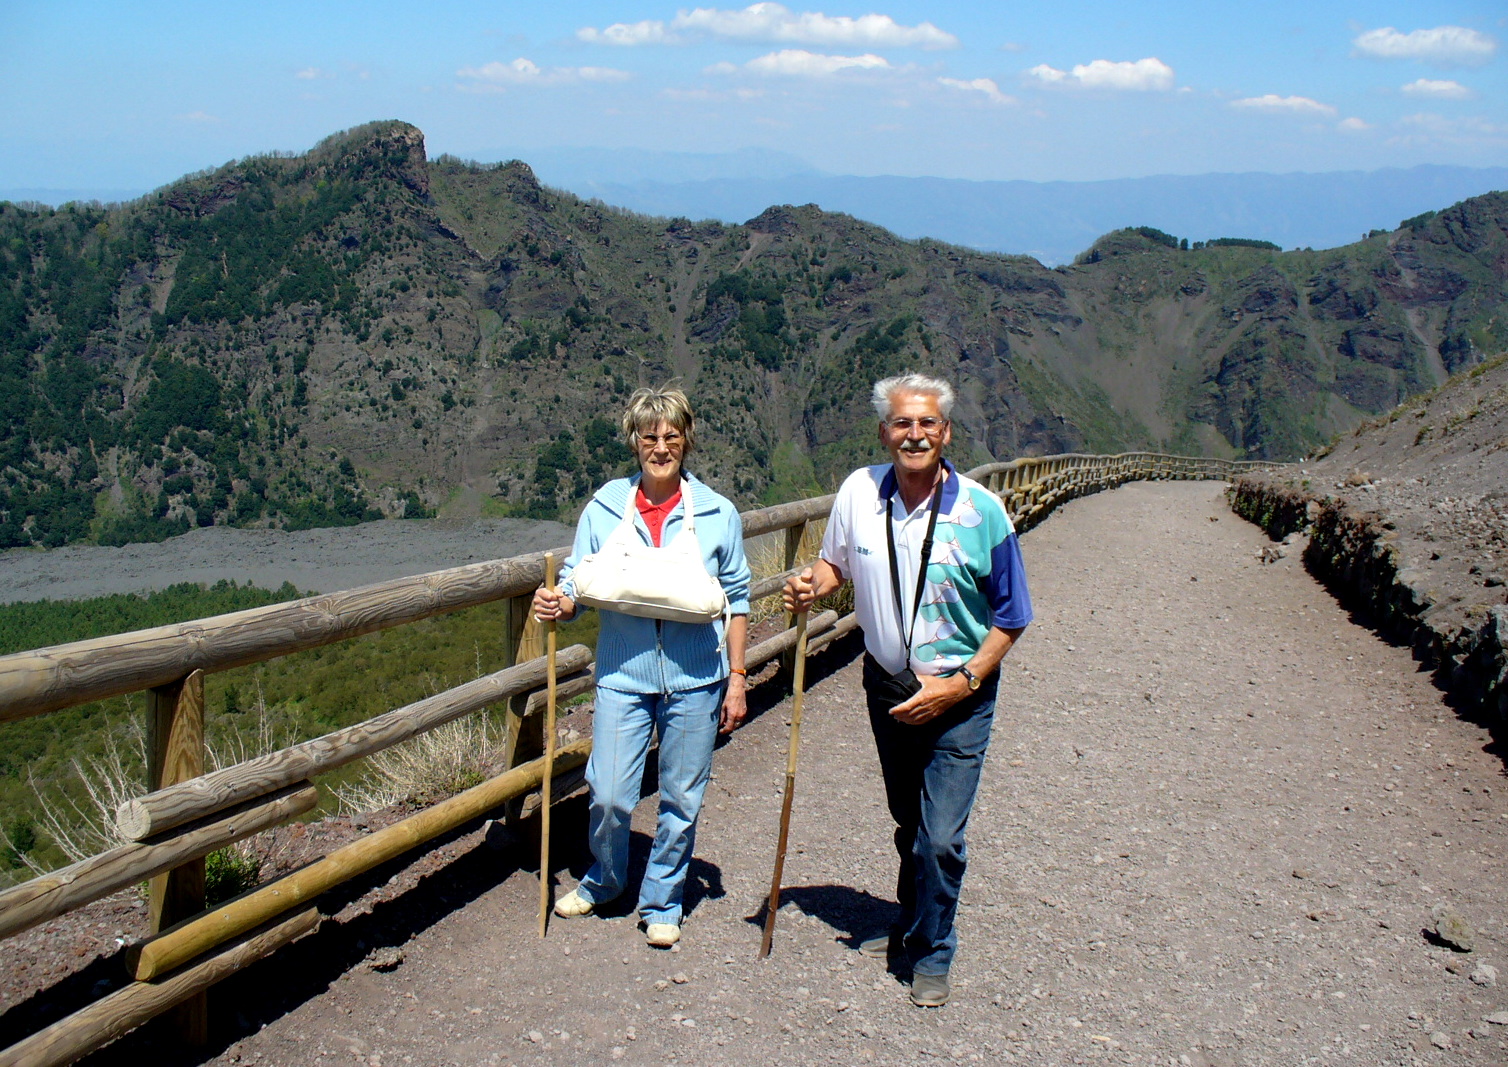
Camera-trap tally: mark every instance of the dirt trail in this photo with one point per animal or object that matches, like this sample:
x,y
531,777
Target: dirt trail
x,y
1216,817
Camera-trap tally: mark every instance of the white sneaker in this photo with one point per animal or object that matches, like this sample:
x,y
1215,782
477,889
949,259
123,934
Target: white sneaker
x,y
662,935
573,904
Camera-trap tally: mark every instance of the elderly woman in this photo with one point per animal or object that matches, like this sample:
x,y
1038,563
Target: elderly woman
x,y
684,680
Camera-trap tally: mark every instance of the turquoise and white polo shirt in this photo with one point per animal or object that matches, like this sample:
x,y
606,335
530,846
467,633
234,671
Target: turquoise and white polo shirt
x,y
975,579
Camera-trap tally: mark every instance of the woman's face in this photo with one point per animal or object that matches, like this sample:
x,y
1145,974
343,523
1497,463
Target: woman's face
x,y
660,450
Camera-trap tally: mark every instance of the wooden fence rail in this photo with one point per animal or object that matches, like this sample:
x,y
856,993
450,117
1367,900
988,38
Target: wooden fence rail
x,y
175,805
194,813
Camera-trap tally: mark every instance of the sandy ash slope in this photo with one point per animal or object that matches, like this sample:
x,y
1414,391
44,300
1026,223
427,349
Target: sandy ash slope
x,y
1437,470
1407,520
1216,821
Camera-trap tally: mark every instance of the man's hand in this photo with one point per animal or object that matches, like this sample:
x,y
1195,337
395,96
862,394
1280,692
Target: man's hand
x,y
800,592
811,585
735,705
936,696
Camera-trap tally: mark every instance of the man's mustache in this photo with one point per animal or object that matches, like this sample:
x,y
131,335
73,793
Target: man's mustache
x,y
917,446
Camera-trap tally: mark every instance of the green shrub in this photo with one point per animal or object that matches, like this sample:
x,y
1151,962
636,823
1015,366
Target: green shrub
x,y
229,871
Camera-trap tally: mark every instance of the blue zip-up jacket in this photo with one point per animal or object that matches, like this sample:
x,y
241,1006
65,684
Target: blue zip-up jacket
x,y
636,655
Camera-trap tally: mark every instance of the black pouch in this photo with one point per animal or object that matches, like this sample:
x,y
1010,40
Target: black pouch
x,y
893,689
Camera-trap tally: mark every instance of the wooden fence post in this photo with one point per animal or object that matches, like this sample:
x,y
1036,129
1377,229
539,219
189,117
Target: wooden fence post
x,y
175,753
523,640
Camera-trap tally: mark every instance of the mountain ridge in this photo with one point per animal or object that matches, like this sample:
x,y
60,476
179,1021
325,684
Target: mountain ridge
x,y
1053,221
360,331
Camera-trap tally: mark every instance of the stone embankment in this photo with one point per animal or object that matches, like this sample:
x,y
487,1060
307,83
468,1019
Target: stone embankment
x,y
1407,523
1358,555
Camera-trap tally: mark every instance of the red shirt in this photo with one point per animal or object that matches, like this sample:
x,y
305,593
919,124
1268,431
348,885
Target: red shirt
x,y
654,514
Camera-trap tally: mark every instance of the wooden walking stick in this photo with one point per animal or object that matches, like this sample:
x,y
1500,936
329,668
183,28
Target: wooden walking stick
x,y
549,773
798,685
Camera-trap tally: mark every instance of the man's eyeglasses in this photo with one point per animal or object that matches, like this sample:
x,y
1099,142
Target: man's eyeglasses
x,y
928,424
654,440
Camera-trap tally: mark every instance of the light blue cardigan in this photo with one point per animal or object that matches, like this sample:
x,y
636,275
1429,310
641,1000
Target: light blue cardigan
x,y
637,655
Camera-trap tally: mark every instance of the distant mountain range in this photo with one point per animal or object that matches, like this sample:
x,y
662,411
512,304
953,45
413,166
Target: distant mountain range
x,y
1051,221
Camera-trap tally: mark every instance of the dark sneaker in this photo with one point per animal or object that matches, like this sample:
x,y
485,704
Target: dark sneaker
x,y
885,945
930,990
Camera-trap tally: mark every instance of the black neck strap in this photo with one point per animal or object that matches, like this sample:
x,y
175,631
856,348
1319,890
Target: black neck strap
x,y
926,557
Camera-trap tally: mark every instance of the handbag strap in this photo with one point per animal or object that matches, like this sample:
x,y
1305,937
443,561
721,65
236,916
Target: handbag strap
x,y
921,570
688,520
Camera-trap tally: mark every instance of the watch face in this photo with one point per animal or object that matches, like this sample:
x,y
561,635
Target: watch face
x,y
969,676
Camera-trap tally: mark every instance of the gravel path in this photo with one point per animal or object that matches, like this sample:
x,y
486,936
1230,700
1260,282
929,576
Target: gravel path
x,y
1215,820
316,561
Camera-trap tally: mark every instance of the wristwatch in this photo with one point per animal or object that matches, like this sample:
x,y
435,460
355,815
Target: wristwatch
x,y
974,681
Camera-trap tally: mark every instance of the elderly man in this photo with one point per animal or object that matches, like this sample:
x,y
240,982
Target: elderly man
x,y
934,635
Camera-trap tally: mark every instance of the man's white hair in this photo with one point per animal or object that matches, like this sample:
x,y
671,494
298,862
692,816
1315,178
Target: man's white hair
x,y
912,383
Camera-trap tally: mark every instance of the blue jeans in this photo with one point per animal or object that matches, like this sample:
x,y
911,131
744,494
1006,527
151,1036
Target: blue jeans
x,y
687,725
931,778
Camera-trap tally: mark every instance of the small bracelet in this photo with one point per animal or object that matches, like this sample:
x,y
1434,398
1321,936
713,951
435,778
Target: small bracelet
x,y
738,670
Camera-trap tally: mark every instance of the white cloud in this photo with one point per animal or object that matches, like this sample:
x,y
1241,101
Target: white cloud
x,y
1454,129
200,116
1442,46
799,63
979,85
497,76
1150,74
1441,90
1293,105
629,34
1354,125
775,24
1428,130
310,73
600,74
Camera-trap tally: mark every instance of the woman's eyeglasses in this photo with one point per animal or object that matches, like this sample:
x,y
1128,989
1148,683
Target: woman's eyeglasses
x,y
654,440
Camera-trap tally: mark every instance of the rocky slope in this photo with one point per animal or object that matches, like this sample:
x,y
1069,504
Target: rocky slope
x,y
360,332
1407,521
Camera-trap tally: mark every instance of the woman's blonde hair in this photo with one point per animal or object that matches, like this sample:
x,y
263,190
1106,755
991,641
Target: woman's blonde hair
x,y
647,408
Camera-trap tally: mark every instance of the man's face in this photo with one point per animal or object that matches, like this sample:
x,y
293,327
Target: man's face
x,y
915,433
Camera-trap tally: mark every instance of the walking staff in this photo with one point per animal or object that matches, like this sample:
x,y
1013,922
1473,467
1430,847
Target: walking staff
x,y
798,689
545,783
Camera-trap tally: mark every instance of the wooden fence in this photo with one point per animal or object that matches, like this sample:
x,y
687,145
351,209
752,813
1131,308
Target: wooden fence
x,y
189,813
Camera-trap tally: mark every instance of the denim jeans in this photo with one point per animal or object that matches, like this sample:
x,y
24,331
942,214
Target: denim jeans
x,y
931,777
687,725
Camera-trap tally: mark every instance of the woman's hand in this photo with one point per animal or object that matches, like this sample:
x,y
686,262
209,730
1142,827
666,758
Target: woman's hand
x,y
735,704
552,606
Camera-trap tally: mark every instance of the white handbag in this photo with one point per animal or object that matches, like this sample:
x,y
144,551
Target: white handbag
x,y
668,583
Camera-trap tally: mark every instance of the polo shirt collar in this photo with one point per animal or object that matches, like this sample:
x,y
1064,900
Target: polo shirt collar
x,y
889,484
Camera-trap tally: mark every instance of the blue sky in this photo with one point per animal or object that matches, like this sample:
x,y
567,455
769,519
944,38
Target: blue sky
x,y
130,96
